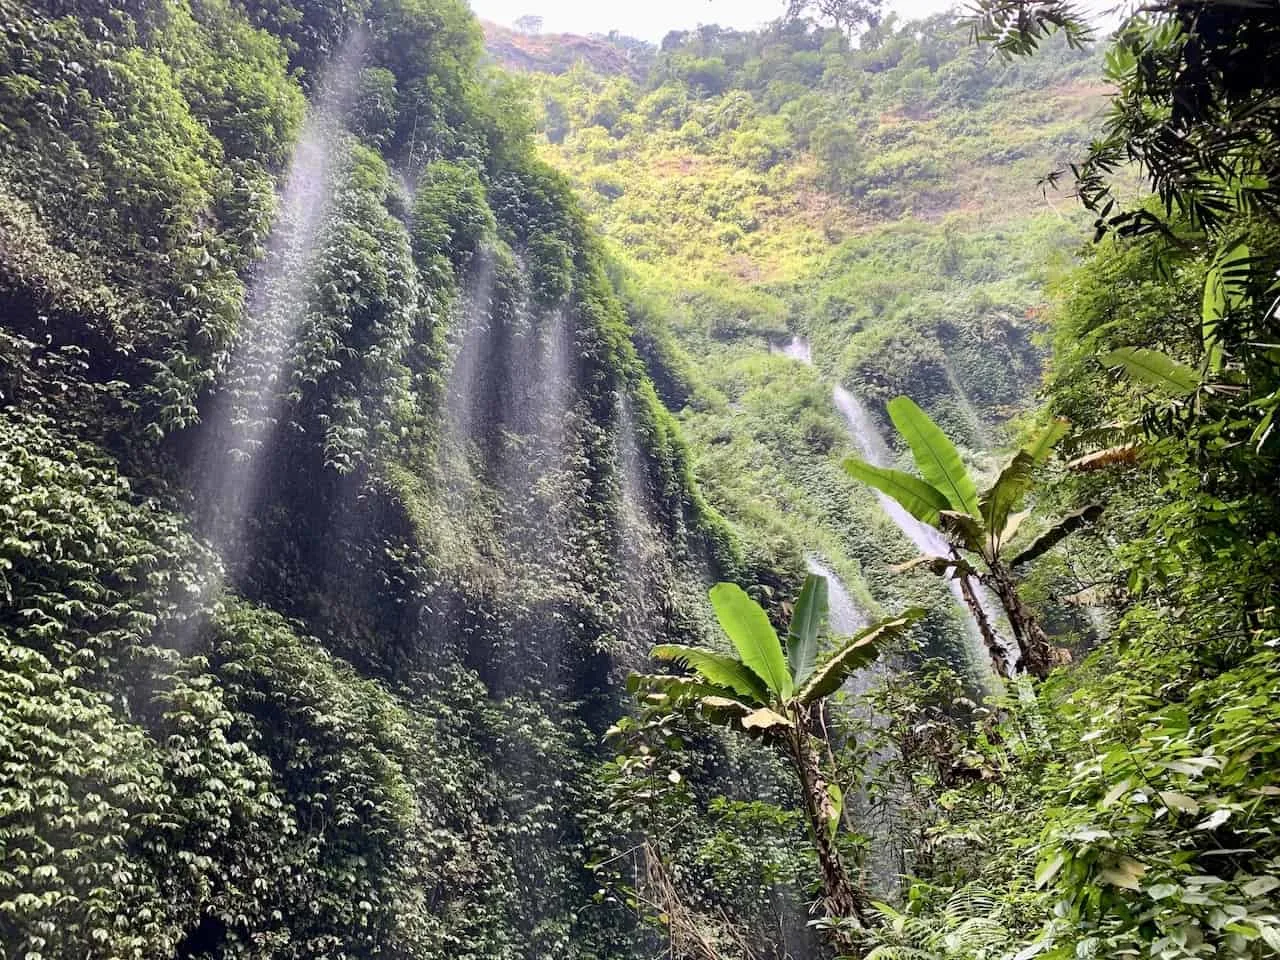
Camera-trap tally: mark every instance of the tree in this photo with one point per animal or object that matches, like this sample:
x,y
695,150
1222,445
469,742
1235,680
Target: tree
x,y
530,24
847,15
980,524
774,697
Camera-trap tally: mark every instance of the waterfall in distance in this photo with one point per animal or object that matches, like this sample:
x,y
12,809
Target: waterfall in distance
x,y
873,448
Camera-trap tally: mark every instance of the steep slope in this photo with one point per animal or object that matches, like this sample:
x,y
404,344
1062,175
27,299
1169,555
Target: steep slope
x,y
335,498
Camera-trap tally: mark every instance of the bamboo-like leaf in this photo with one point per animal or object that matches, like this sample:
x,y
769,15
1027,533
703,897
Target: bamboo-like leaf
x,y
716,668
854,653
936,457
1154,367
753,636
1057,533
806,622
918,498
1048,438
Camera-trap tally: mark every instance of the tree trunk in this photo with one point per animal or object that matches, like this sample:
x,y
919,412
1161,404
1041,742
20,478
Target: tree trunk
x,y
995,648
842,898
1034,649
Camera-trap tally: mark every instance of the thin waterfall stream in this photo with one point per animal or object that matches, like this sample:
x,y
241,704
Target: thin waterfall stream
x,y
873,448
233,450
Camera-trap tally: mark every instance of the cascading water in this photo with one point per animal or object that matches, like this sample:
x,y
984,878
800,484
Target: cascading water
x,y
875,450
640,538
797,348
246,409
845,617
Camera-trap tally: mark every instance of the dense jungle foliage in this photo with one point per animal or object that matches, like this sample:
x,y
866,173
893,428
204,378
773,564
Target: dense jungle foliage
x,y
369,412
1126,806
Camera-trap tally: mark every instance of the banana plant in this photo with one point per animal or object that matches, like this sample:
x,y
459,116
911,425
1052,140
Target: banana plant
x,y
975,524
1226,299
774,695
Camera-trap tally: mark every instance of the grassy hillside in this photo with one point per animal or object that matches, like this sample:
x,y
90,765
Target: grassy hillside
x,y
880,201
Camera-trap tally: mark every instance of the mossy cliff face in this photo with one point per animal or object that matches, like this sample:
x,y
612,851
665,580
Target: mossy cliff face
x,y
318,560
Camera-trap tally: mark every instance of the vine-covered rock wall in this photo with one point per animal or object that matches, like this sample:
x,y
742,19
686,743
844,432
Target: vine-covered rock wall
x,y
318,562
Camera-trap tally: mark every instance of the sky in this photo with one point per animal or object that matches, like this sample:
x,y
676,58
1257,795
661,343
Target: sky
x,y
651,19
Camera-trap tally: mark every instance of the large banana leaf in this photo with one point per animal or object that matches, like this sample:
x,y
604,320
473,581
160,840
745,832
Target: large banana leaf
x,y
724,711
753,636
998,501
853,654
1057,533
1043,445
764,719
806,621
716,668
1154,367
936,457
918,498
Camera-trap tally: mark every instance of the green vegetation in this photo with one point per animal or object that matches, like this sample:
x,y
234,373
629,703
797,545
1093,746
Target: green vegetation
x,y
777,699
982,524
737,222
368,414
326,714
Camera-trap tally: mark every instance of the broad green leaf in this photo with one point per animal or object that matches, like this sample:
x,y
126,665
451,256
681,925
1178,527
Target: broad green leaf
x,y
1154,367
1226,290
1125,872
856,652
998,502
918,498
1179,801
1226,287
1214,304
1047,439
764,719
716,668
936,457
753,636
1048,869
806,621
1259,886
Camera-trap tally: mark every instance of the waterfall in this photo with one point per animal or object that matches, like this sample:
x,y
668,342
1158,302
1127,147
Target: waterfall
x,y
797,348
232,450
640,554
871,444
